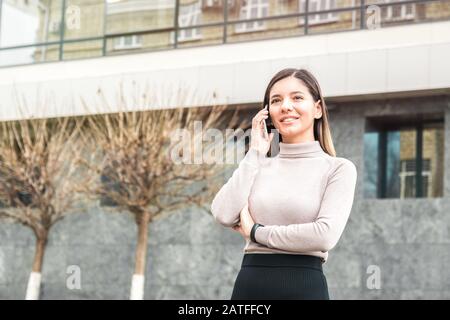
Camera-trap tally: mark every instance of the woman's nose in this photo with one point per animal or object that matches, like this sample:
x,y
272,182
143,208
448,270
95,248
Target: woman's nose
x,y
287,105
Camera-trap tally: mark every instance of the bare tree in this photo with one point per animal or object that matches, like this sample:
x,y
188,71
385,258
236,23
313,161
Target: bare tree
x,y
139,160
38,176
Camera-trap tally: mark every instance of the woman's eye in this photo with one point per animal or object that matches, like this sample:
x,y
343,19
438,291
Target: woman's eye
x,y
277,100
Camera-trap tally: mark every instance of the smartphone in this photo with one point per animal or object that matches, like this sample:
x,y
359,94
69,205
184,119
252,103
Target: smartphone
x,y
265,128
268,124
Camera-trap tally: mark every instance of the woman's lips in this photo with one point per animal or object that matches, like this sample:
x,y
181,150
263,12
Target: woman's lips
x,y
289,121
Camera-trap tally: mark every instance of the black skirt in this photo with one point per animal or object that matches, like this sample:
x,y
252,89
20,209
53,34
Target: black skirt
x,y
280,276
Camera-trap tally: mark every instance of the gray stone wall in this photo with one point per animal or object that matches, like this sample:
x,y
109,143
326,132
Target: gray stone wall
x,y
408,239
192,257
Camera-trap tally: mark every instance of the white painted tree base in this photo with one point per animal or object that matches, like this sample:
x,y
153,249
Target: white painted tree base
x,y
34,286
137,287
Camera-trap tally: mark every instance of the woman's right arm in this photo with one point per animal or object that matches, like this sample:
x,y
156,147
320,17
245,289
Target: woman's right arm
x,y
233,196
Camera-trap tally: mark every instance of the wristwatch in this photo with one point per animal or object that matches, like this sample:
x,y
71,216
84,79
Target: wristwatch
x,y
253,231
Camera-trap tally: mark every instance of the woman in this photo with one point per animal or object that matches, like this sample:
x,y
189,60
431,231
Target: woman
x,y
292,208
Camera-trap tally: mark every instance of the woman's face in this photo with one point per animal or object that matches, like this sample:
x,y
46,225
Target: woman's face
x,y
293,110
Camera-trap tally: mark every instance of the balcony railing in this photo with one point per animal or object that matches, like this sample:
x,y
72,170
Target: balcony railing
x,y
313,17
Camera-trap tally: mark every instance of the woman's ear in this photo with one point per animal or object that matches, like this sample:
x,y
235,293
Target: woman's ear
x,y
318,106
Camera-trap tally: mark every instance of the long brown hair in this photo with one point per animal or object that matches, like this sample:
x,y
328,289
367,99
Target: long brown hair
x,y
322,131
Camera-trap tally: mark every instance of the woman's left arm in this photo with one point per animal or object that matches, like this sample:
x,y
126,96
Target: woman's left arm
x,y
324,233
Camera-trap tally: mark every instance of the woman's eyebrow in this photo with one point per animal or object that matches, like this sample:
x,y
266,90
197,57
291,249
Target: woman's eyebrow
x,y
277,95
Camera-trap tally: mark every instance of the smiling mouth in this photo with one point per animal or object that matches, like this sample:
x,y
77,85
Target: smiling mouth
x,y
289,120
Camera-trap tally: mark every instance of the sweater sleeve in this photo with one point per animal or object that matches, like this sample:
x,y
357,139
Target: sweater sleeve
x,y
233,196
324,233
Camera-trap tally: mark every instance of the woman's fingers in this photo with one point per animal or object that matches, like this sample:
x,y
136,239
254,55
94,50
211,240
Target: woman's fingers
x,y
258,122
260,125
238,228
260,115
259,135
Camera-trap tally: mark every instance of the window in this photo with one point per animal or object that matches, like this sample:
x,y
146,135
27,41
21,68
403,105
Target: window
x,y
83,19
403,162
408,178
189,15
318,5
138,15
128,42
29,22
398,12
212,3
252,10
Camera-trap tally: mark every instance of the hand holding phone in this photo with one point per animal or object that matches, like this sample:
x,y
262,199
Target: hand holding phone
x,y
260,138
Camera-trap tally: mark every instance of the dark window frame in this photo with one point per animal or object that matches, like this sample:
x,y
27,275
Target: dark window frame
x,y
418,126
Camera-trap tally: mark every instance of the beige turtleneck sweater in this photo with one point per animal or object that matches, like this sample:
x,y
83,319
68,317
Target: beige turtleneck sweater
x,y
302,196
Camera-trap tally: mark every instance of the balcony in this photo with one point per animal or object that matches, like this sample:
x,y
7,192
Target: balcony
x,y
59,30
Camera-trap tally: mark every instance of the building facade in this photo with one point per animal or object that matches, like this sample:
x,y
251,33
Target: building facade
x,y
385,73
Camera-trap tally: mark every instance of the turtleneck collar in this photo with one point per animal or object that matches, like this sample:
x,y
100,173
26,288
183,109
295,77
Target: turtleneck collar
x,y
309,149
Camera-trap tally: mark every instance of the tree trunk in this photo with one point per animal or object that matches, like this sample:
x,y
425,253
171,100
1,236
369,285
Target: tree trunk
x,y
137,284
34,282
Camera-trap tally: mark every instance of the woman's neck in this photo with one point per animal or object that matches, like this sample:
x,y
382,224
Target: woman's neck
x,y
308,149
